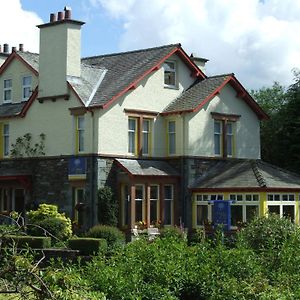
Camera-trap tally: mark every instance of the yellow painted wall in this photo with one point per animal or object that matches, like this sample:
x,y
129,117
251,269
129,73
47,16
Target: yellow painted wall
x,y
16,71
150,95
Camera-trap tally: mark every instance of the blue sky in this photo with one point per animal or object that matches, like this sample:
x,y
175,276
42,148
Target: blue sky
x,y
257,40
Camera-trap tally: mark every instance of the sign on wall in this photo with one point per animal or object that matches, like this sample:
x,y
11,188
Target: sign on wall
x,y
222,213
77,166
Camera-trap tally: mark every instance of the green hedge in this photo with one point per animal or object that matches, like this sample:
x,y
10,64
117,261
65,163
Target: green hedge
x,y
112,235
36,242
88,246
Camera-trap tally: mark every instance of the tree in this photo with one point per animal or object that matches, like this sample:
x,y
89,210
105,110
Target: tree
x,y
107,207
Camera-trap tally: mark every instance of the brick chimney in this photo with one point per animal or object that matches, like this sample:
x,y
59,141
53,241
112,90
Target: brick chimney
x,y
60,42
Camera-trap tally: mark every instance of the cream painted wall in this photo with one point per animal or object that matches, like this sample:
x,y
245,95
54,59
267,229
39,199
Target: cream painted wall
x,y
16,71
59,57
55,121
150,95
199,127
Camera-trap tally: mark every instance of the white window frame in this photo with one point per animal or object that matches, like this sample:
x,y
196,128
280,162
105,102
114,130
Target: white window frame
x,y
25,88
171,200
6,147
142,200
157,202
167,68
245,200
132,134
204,199
171,137
80,128
7,89
277,199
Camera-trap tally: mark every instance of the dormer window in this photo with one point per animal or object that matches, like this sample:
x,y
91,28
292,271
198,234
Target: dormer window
x,y
7,90
26,88
170,74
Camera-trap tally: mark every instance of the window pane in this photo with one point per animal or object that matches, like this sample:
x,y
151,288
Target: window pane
x,y
202,214
138,211
289,212
139,192
153,211
236,215
168,212
274,209
146,136
153,192
7,83
132,136
251,212
170,73
6,139
217,144
131,124
229,144
168,191
172,137
27,80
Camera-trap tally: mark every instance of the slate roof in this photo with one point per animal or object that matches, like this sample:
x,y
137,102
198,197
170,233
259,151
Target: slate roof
x,y
229,174
11,109
195,94
124,68
31,58
139,167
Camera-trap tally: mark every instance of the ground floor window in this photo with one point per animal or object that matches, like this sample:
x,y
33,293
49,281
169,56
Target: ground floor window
x,y
79,202
153,204
282,204
204,208
244,208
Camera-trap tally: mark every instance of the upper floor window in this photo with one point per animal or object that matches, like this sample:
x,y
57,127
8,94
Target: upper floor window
x,y
26,87
139,135
80,134
5,140
170,73
171,137
224,134
7,90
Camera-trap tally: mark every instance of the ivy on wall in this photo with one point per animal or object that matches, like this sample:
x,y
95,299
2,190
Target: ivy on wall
x,y
24,146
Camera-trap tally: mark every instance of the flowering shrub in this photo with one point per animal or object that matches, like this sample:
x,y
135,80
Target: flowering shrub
x,y
46,219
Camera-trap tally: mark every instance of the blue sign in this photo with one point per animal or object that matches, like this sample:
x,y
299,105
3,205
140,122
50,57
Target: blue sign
x,y
222,213
77,166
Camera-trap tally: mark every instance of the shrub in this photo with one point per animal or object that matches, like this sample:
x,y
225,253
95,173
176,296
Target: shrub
x,y
172,232
88,246
267,233
39,242
111,234
48,218
107,207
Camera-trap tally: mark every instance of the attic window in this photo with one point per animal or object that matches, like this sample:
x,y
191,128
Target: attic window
x,y
170,73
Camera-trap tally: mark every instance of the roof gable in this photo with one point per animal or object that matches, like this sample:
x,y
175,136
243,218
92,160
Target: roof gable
x,y
203,91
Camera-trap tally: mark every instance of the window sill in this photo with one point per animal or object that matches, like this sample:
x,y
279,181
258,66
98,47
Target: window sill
x,y
171,87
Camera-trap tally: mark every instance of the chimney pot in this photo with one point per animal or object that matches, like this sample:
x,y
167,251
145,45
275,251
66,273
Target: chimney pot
x,y
67,14
13,49
21,47
60,16
5,46
52,18
0,48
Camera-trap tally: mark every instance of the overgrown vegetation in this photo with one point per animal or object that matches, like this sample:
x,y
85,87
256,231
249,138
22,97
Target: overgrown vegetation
x,y
264,263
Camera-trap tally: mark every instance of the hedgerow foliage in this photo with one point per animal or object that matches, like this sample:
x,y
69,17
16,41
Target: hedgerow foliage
x,y
169,268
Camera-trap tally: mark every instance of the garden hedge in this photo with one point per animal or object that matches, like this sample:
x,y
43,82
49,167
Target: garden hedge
x,y
88,246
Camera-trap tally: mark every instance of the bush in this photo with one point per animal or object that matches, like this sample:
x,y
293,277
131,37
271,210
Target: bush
x,y
172,232
48,218
88,246
112,235
107,207
267,233
38,242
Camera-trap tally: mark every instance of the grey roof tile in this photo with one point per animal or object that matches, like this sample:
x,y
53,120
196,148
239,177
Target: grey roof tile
x,y
11,109
124,68
246,174
195,94
140,167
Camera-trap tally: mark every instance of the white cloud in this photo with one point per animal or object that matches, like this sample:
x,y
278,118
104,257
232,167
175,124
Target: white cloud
x,y
19,26
257,40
